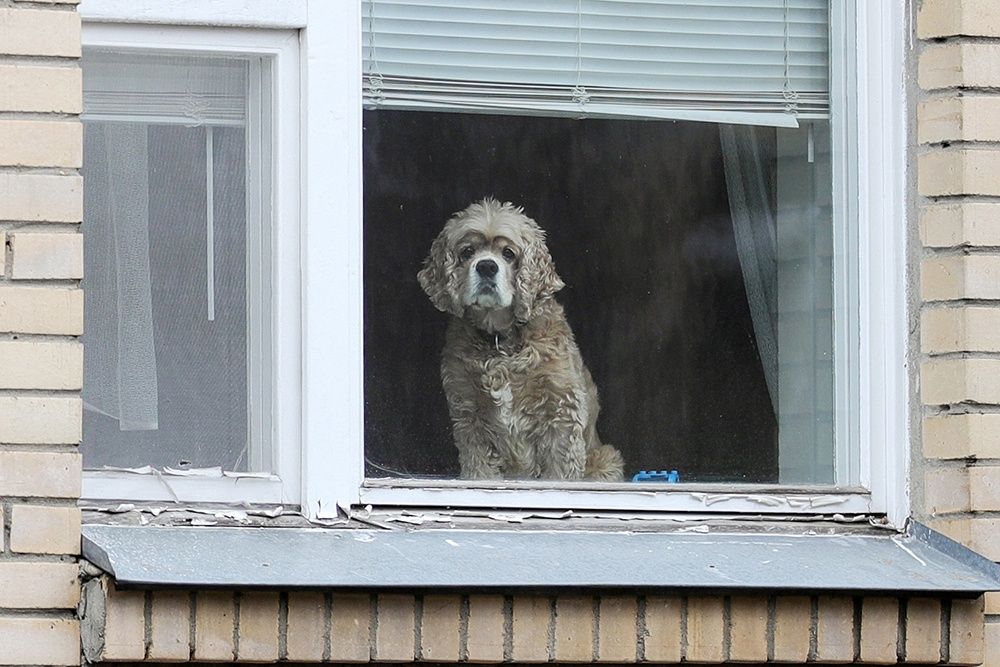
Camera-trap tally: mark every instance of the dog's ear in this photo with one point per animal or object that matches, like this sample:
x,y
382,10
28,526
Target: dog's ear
x,y
437,277
537,279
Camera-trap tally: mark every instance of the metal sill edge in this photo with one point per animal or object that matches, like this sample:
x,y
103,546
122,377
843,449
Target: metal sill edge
x,y
920,561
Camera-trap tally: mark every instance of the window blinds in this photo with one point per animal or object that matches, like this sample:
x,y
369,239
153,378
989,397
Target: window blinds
x,y
182,90
762,62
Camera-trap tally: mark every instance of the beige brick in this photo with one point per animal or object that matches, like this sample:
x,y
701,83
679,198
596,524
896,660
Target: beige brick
x,y
966,224
40,641
879,630
124,625
962,329
748,630
41,419
394,636
3,254
923,630
350,628
792,618
966,633
961,436
960,277
980,534
41,143
939,119
946,490
258,627
992,604
33,364
215,622
41,529
705,630
992,653
663,629
947,18
486,628
958,529
41,310
835,629
439,635
40,88
52,585
532,615
170,631
306,618
617,635
984,488
951,381
962,65
985,537
956,171
41,197
574,628
27,32
46,256
948,119
40,474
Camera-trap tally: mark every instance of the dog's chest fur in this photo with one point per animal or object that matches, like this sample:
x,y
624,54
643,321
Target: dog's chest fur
x,y
515,385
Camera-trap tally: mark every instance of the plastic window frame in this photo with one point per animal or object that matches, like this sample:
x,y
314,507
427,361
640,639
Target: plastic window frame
x,y
282,485
332,448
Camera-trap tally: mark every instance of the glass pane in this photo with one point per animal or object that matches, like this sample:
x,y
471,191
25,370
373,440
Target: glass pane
x,y
697,262
601,281
167,235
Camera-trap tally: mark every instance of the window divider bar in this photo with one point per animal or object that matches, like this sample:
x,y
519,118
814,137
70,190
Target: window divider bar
x,y
210,220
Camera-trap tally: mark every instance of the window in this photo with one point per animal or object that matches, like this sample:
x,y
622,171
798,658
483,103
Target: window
x,y
711,182
679,156
692,165
183,230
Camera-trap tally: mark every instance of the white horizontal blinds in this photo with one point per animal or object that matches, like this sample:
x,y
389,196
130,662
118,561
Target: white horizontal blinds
x,y
184,90
739,61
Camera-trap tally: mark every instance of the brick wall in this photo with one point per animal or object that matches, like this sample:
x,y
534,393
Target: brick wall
x,y
312,626
41,316
41,313
959,186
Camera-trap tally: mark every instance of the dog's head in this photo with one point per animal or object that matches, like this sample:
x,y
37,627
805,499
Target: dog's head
x,y
489,259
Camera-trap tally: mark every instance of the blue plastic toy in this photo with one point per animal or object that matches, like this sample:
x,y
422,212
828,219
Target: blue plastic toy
x,y
669,476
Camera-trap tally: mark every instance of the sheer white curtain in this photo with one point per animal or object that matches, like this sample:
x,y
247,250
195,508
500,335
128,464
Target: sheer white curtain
x,y
166,249
120,365
751,204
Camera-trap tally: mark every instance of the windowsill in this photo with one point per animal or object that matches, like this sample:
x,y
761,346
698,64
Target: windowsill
x,y
698,557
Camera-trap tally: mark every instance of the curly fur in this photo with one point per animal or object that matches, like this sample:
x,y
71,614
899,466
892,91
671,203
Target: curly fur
x,y
522,403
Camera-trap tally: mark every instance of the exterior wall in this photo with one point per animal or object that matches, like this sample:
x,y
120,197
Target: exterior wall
x,y
958,129
312,626
41,316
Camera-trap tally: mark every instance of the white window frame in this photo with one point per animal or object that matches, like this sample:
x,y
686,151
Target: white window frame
x,y
332,448
282,485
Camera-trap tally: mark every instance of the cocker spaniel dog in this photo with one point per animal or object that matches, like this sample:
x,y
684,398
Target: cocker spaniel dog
x,y
522,402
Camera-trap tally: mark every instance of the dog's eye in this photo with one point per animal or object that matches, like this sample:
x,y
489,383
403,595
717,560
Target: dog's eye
x,y
509,255
466,254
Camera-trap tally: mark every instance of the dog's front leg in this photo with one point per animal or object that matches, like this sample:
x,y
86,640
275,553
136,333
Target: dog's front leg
x,y
477,451
558,434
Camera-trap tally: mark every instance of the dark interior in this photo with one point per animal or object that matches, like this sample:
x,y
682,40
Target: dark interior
x,y
638,224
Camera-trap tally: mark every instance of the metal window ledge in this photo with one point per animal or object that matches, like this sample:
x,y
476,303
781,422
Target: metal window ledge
x,y
920,561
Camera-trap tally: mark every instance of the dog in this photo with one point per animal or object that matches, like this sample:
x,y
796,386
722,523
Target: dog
x,y
522,403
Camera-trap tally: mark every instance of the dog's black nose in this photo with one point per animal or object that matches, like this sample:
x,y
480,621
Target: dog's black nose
x,y
487,268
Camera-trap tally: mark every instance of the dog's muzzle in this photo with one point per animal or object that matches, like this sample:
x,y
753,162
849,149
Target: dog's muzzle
x,y
485,284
